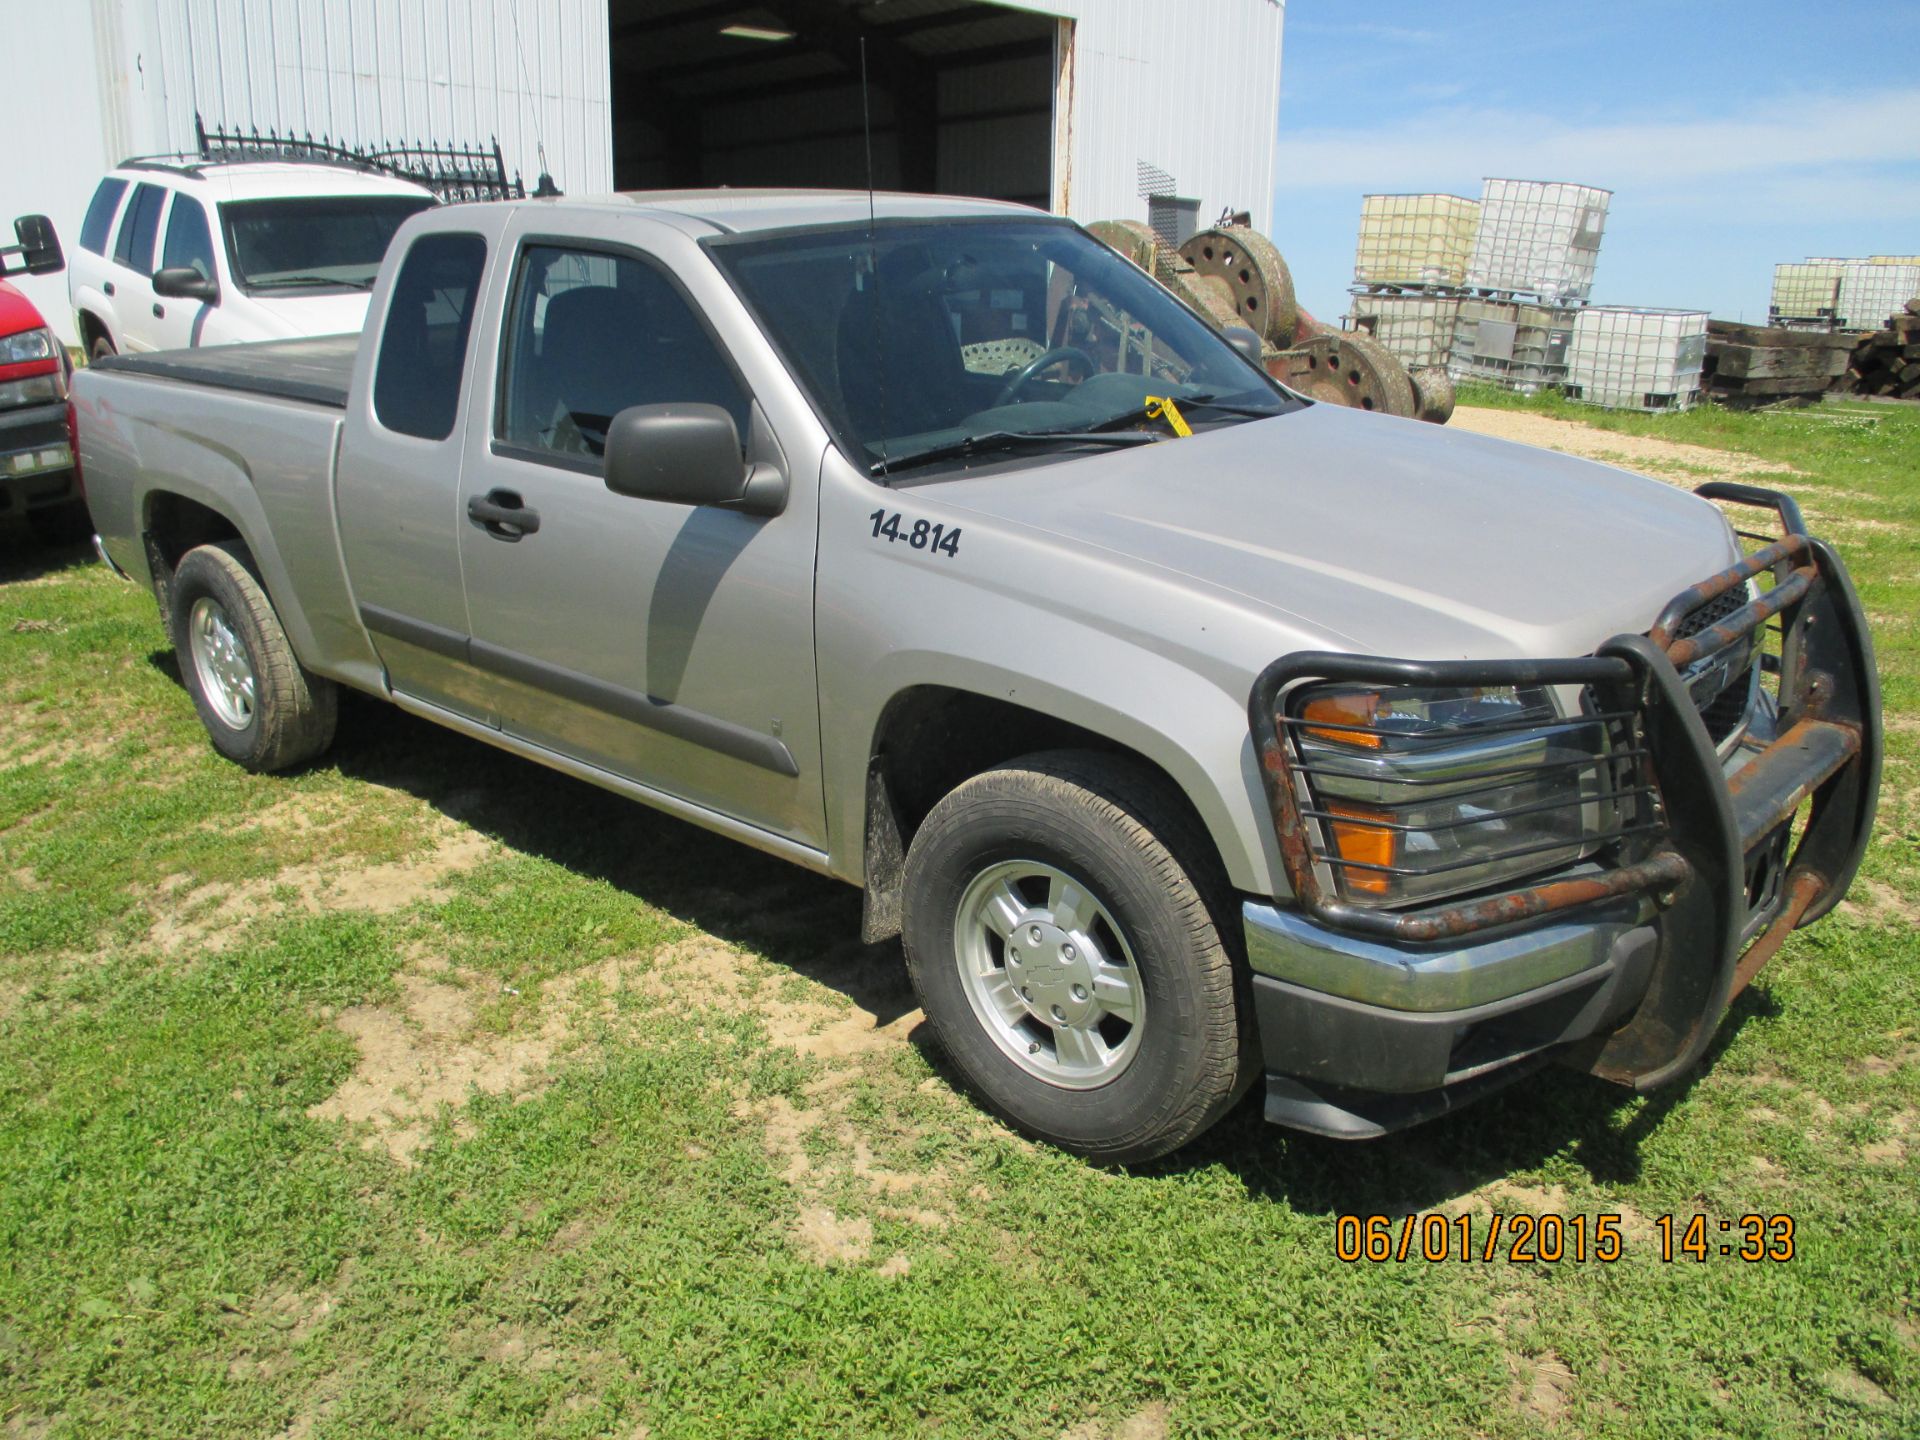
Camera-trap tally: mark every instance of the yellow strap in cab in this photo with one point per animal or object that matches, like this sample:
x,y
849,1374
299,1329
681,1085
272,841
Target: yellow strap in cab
x,y
1161,407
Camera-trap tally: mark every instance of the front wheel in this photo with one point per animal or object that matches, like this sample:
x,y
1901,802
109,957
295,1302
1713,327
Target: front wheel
x,y
262,708
1063,927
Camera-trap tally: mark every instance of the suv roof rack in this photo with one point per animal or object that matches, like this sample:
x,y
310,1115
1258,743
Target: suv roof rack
x,y
451,172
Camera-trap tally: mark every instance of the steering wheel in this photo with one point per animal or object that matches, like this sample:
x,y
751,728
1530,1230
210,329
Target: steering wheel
x,y
1019,379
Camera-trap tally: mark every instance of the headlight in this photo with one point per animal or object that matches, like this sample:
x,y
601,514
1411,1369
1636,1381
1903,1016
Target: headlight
x,y
1423,794
28,345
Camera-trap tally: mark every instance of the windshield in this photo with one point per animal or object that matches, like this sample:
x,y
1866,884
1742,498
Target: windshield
x,y
928,337
307,242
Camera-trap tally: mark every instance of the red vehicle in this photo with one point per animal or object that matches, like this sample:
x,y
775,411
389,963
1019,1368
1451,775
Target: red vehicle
x,y
37,478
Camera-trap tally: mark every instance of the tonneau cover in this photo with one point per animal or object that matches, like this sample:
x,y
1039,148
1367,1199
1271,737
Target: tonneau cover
x,y
313,369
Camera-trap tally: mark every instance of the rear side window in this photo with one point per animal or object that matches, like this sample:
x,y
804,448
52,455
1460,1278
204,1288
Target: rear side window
x,y
591,334
423,349
189,239
134,249
99,221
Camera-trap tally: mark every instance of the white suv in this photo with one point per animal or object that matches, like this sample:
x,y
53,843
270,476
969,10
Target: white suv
x,y
175,253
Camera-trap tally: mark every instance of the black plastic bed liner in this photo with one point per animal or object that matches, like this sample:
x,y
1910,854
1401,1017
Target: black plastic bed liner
x,y
313,369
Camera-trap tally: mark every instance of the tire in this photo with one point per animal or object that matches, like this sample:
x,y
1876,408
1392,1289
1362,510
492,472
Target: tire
x,y
100,349
228,639
1150,921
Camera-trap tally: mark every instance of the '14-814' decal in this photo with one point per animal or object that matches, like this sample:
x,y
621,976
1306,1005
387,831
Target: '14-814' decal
x,y
923,536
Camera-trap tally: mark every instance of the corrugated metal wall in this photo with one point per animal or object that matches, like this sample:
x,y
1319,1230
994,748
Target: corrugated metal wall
x,y
1193,88
396,70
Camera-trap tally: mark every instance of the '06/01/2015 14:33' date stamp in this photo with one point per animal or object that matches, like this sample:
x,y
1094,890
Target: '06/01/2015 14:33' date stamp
x,y
1523,1239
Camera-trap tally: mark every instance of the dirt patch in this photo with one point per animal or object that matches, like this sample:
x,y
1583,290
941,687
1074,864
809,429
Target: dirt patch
x,y
1668,460
57,751
1876,902
693,974
207,917
831,1239
1852,1385
427,1054
1541,1385
1153,1422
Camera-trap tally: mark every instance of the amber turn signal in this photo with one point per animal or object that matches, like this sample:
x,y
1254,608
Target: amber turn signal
x,y
1361,837
1352,712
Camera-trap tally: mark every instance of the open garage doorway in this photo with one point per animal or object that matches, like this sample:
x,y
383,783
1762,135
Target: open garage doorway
x,y
767,92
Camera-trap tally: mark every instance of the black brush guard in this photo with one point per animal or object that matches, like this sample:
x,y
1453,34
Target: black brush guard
x,y
1693,860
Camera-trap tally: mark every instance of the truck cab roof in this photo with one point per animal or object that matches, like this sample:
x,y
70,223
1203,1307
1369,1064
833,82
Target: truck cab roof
x,y
750,211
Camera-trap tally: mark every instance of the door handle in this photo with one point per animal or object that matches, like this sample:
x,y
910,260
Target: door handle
x,y
159,311
108,287
503,514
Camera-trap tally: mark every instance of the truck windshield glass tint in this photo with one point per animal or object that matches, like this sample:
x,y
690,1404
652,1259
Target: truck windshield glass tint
x,y
934,332
100,213
313,241
592,334
189,242
423,347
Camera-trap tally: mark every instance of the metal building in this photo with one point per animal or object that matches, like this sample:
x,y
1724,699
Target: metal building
x,y
1161,109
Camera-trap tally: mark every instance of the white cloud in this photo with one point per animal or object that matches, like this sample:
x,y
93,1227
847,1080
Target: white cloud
x,y
1774,136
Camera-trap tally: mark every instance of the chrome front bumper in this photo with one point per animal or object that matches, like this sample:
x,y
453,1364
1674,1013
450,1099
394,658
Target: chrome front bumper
x,y
1286,945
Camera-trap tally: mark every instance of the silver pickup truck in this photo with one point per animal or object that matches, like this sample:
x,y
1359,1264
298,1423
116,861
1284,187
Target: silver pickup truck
x,y
1188,733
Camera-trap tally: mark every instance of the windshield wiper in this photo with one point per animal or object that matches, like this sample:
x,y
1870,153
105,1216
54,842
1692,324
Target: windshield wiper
x,y
1189,402
303,280
1231,407
1001,441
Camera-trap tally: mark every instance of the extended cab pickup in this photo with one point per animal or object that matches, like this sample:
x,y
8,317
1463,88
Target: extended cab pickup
x,y
1189,733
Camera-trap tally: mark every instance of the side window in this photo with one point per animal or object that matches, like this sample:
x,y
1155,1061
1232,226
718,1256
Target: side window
x,y
100,213
134,249
591,334
189,241
423,347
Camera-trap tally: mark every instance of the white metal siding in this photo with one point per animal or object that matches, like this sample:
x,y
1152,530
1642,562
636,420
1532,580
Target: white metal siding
x,y
97,82
397,70
1192,87
55,138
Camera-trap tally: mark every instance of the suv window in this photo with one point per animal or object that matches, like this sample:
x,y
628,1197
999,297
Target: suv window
x,y
591,334
134,249
423,348
311,241
189,240
100,213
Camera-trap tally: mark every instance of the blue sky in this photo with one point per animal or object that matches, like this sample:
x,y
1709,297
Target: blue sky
x,y
1733,135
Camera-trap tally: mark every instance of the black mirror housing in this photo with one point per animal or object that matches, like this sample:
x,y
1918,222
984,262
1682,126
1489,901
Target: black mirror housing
x,y
37,246
682,454
183,282
1246,341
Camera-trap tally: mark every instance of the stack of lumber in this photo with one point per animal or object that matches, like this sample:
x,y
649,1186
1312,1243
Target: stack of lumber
x,y
1887,362
1753,365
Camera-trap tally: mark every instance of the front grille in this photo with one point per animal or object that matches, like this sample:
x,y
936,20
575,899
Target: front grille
x,y
1723,712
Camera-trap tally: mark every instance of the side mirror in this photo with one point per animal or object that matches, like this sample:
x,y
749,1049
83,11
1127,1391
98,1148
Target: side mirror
x,y
183,282
1247,342
687,454
37,246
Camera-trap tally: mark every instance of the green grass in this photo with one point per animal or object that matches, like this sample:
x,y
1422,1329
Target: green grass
x,y
692,1190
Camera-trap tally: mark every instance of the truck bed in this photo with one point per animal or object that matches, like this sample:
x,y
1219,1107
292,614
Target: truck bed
x,y
312,369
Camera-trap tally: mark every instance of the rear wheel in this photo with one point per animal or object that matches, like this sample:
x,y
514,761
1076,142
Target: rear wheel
x,y
101,348
1064,932
262,708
